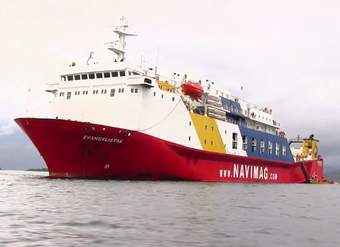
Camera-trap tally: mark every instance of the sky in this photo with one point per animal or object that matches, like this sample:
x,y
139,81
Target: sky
x,y
284,54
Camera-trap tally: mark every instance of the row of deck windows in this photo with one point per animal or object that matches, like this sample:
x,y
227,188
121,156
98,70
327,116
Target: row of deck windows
x,y
97,75
262,145
253,144
105,91
96,91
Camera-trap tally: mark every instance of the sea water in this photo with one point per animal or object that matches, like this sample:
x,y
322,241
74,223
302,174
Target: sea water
x,y
38,211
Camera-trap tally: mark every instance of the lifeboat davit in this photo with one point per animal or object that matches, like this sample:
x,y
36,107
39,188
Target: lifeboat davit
x,y
193,89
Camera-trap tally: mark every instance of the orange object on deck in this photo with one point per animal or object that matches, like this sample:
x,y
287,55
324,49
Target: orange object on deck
x,y
193,89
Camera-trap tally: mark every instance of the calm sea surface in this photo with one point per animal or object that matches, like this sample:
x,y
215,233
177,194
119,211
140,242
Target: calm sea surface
x,y
37,211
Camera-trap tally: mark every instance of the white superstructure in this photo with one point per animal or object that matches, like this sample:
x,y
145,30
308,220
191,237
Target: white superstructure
x,y
132,97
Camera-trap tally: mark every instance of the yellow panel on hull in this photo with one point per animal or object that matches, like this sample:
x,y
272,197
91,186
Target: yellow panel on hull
x,y
208,133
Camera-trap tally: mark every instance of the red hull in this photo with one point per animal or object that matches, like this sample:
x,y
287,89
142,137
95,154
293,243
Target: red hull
x,y
78,149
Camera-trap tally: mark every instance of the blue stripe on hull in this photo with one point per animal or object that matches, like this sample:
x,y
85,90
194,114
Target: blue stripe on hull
x,y
282,141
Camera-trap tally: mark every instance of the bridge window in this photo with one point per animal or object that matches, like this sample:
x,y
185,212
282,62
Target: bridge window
x,y
70,77
84,76
277,149
68,96
284,151
189,138
91,75
147,80
262,145
234,141
77,77
253,144
61,94
122,73
114,74
132,90
136,90
122,90
99,75
107,74
244,143
112,93
63,78
270,147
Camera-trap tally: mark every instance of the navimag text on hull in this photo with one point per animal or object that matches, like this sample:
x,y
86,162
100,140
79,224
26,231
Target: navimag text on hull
x,y
122,121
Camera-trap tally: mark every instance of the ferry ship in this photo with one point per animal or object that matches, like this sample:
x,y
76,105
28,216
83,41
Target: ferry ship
x,y
121,121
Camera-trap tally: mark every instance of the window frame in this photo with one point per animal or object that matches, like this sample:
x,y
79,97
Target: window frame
x,y
277,149
253,144
234,144
92,76
122,73
270,148
262,146
244,143
69,95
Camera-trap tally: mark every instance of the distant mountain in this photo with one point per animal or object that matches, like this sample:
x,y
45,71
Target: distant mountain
x,y
37,169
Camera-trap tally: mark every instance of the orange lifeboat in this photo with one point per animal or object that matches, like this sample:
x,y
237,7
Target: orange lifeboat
x,y
193,89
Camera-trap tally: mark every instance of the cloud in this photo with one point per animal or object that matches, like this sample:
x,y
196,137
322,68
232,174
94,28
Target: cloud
x,y
6,128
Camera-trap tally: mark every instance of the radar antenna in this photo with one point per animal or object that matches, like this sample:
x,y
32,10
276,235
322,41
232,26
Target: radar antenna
x,y
118,46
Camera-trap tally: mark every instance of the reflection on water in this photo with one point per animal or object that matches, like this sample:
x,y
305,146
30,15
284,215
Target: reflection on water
x,y
37,211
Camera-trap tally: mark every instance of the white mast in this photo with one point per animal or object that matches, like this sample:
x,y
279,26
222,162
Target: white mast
x,y
118,46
